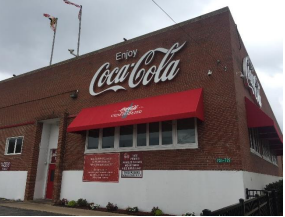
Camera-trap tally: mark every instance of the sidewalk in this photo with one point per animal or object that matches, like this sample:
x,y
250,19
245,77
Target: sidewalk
x,y
30,205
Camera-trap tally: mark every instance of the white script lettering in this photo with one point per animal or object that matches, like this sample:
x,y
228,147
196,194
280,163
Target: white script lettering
x,y
126,55
167,70
251,79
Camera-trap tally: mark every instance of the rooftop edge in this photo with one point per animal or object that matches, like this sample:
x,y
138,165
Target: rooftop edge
x,y
210,14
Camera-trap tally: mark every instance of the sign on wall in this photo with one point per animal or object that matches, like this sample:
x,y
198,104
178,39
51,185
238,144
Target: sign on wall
x,y
135,73
251,81
223,160
101,168
131,165
5,166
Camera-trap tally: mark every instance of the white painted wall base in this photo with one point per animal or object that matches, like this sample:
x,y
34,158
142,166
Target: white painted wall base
x,y
257,180
13,184
175,192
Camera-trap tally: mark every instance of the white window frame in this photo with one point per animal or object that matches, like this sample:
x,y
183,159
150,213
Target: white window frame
x,y
116,148
7,145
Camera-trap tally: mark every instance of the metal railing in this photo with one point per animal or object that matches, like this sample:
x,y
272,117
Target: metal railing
x,y
262,203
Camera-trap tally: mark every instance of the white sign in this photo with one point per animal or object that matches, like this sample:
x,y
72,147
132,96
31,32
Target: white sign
x,y
135,72
251,79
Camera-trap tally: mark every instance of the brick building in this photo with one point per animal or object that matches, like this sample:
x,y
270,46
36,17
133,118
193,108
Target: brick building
x,y
187,109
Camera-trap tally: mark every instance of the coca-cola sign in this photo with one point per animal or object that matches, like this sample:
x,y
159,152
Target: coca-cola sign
x,y
131,110
251,80
136,73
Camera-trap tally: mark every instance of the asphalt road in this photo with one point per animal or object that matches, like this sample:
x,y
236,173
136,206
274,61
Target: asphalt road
x,y
9,211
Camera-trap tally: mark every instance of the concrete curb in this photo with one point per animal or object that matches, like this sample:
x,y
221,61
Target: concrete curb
x,y
57,209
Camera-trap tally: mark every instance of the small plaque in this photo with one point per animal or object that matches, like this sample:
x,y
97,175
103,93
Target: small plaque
x,y
223,160
132,165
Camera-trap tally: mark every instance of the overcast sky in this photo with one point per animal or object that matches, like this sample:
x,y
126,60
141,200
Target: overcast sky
x,y
26,38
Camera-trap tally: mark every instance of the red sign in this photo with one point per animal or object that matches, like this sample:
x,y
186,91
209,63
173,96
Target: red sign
x,y
131,165
101,168
5,166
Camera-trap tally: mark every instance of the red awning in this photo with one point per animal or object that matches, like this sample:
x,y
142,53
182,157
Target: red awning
x,y
179,105
268,129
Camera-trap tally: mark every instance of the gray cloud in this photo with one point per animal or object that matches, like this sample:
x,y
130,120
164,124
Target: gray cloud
x,y
26,38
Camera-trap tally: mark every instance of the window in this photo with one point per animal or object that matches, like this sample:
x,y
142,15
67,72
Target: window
x,y
153,133
185,131
255,142
274,159
173,134
14,145
93,139
108,136
261,146
126,136
166,132
266,150
141,135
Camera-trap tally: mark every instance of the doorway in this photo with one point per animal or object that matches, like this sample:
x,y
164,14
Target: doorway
x,y
51,173
50,181
47,159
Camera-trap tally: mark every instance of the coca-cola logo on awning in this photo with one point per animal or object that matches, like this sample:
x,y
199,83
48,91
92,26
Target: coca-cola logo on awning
x,y
136,73
125,111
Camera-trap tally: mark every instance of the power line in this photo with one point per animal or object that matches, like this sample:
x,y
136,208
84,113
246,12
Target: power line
x,y
218,61
164,11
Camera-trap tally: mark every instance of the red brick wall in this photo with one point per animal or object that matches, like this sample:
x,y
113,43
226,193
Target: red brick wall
x,y
250,162
217,136
33,160
22,161
44,94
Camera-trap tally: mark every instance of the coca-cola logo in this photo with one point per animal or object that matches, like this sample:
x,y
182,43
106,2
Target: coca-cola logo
x,y
136,73
126,156
251,80
125,111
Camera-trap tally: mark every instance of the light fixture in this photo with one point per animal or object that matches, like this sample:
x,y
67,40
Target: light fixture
x,y
74,94
210,73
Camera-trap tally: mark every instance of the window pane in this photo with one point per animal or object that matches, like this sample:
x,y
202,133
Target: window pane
x,y
141,135
11,146
19,145
154,133
108,137
166,130
251,138
126,136
185,131
93,139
